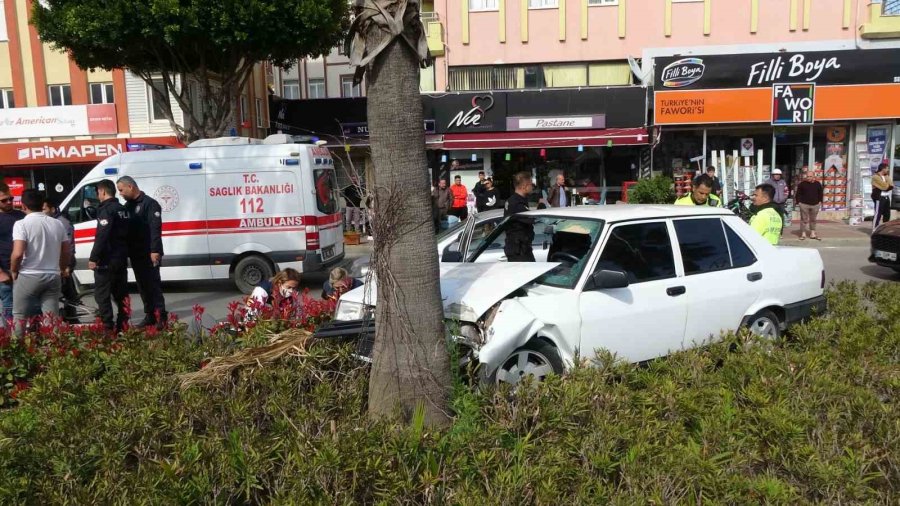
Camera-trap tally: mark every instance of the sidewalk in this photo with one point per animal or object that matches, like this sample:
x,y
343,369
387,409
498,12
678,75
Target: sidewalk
x,y
832,233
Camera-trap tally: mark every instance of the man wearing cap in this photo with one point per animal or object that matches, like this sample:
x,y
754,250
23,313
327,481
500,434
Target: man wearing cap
x,y
701,194
781,191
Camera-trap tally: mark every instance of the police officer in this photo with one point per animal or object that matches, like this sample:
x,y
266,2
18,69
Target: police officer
x,y
520,231
109,257
145,249
767,220
701,193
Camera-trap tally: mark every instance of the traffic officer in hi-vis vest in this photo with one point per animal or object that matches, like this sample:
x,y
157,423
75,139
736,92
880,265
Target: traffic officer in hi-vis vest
x,y
767,220
701,193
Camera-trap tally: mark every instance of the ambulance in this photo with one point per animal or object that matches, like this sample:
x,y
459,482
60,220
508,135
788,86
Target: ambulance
x,y
232,208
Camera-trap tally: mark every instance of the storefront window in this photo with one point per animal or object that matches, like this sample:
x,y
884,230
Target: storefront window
x,y
676,148
830,148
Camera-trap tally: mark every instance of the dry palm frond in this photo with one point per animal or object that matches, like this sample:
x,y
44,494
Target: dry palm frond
x,y
294,342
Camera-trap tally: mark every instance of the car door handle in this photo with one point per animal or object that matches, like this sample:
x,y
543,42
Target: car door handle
x,y
754,276
675,291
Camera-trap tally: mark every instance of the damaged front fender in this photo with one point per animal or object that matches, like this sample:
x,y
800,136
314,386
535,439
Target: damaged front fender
x,y
512,327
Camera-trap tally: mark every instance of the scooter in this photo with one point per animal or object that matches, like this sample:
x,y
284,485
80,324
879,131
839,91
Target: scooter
x,y
740,205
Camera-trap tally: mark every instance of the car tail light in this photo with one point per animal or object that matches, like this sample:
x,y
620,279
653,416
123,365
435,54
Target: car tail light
x,y
312,234
822,284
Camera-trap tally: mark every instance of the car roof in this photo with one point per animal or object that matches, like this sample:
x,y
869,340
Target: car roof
x,y
487,215
628,212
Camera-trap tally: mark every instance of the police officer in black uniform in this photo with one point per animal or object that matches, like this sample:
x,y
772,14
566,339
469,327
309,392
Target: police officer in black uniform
x,y
520,231
109,257
145,249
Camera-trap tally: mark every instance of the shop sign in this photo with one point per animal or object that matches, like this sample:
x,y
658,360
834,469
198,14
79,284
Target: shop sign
x,y
61,152
362,129
681,73
58,121
557,123
16,185
877,142
861,66
793,104
470,112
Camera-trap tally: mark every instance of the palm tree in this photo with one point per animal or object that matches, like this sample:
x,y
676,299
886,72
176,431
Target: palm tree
x,y
411,369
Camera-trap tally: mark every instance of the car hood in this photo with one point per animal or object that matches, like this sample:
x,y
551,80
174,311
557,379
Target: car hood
x,y
891,228
469,290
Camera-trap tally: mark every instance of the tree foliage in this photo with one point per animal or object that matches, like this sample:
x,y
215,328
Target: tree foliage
x,y
656,190
213,44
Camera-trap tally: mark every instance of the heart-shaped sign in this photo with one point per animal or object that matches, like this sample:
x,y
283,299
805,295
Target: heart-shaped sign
x,y
482,102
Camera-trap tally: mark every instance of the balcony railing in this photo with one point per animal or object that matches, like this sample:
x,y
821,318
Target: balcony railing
x,y
890,8
429,16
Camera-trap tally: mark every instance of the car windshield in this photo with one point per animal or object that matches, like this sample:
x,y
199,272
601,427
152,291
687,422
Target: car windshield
x,y
456,228
567,241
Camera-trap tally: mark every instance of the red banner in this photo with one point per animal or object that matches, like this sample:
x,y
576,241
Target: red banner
x,y
65,152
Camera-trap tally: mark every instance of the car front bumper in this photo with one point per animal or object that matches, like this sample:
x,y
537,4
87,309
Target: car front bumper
x,y
803,310
361,332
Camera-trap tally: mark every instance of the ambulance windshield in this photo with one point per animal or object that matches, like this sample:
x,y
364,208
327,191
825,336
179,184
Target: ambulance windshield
x,y
326,191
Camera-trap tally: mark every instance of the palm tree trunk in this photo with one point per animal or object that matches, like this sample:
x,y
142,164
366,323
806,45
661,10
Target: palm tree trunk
x,y
411,365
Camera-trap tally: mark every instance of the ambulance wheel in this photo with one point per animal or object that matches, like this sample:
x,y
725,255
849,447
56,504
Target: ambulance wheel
x,y
250,272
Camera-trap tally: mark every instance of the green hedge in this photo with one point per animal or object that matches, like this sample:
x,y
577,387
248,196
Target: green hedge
x,y
813,418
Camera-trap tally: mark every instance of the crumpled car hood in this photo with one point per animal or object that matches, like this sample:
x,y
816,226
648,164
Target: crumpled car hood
x,y
469,290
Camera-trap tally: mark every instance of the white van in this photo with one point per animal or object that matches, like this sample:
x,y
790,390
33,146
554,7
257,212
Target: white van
x,y
232,207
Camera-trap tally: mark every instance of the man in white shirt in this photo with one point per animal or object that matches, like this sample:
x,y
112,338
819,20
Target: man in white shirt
x,y
38,262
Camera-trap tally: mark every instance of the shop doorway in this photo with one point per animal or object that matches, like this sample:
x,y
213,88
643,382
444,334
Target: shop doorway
x,y
792,152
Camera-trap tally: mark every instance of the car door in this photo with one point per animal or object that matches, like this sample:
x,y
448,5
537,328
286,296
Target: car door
x,y
722,277
646,319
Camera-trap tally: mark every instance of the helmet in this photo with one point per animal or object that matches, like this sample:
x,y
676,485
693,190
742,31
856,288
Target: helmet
x,y
776,171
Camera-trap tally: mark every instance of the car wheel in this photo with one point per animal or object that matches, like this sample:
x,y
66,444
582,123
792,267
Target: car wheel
x,y
537,359
765,324
250,272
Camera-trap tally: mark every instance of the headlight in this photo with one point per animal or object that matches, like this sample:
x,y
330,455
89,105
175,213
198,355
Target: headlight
x,y
347,311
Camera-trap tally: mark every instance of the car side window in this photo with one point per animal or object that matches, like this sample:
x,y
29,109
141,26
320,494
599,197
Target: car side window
x,y
83,206
481,231
741,254
703,245
642,250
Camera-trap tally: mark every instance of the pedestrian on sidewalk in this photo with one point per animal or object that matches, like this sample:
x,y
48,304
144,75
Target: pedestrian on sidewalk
x,y
8,217
441,198
881,195
109,257
809,194
488,198
560,195
354,193
145,250
460,205
69,292
780,186
39,261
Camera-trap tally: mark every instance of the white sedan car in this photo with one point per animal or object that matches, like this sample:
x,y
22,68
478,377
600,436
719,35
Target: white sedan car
x,y
638,281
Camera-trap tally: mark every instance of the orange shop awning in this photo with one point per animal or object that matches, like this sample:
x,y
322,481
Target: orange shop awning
x,y
546,139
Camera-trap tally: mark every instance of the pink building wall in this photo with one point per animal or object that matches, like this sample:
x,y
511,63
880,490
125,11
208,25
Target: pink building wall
x,y
645,28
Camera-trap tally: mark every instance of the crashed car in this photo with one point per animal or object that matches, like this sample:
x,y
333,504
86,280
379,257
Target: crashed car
x,y
460,238
638,281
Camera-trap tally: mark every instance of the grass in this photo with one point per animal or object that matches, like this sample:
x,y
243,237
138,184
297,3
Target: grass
x,y
810,419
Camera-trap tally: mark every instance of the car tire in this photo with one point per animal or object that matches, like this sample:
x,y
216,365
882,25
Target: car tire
x,y
250,272
764,324
537,358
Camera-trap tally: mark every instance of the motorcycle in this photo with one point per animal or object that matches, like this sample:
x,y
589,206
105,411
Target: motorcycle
x,y
740,205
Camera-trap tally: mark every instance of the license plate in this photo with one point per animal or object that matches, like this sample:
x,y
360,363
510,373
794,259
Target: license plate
x,y
887,255
327,252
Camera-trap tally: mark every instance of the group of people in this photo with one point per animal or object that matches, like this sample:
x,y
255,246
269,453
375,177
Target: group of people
x,y
37,255
454,201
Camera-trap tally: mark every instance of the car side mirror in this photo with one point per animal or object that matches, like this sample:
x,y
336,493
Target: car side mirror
x,y
452,254
608,279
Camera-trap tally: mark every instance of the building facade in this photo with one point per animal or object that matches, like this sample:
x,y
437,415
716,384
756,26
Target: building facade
x,y
57,121
487,51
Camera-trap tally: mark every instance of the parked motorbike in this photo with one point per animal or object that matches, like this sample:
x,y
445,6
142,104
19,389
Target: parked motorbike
x,y
740,205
